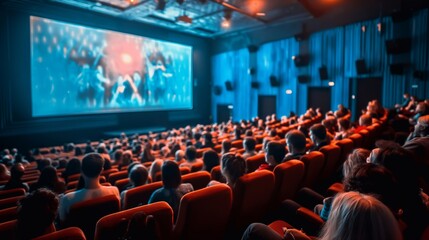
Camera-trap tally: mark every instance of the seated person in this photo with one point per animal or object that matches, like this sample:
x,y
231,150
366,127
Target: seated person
x,y
249,144
4,172
138,176
191,157
354,216
210,159
226,146
92,165
344,129
319,137
173,189
295,141
273,156
179,157
232,168
15,181
365,120
36,214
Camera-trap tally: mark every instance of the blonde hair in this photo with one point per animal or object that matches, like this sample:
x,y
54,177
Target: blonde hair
x,y
357,216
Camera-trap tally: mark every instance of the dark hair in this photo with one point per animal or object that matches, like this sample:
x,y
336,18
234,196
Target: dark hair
x,y
249,143
319,131
210,159
344,123
48,178
72,167
147,154
92,165
171,177
376,180
36,213
277,150
226,145
297,139
139,175
17,171
234,166
191,153
197,136
248,133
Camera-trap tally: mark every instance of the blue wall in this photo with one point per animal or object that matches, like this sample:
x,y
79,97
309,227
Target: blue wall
x,y
337,49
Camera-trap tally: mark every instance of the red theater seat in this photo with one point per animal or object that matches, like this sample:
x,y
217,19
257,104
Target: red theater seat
x,y
8,214
12,193
197,179
113,177
140,195
288,179
253,162
313,162
71,233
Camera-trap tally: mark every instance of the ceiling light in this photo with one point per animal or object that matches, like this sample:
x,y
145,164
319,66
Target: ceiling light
x,y
226,23
260,14
226,20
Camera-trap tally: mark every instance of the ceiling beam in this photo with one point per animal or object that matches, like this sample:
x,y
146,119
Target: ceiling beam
x,y
239,10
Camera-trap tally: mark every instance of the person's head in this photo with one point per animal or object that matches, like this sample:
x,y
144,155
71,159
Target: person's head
x,y
295,141
62,163
359,216
171,177
118,155
155,168
138,175
421,129
249,144
376,180
343,124
210,159
226,146
73,166
197,136
127,157
191,153
318,133
365,120
248,133
208,137
92,165
179,155
233,167
275,153
3,170
48,177
17,171
36,213
355,159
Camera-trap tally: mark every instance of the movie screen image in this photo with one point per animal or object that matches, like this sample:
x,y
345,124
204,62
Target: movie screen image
x,y
83,70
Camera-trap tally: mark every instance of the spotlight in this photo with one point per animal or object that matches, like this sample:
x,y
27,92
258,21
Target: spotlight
x,y
161,5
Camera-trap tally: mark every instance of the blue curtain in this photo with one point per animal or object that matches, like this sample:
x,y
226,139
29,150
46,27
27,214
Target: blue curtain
x,y
337,49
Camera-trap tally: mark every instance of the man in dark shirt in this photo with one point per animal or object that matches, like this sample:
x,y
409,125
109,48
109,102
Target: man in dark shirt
x,y
295,141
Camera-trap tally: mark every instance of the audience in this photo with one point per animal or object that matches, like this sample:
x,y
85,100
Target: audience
x,y
249,144
15,181
210,160
353,216
49,179
36,214
173,189
295,142
274,155
92,165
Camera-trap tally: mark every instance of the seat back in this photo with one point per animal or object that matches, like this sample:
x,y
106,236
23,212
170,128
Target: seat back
x,y
201,151
238,144
346,146
253,162
288,179
121,184
252,195
140,195
197,166
8,214
113,177
204,214
85,215
197,179
366,138
71,233
313,163
332,155
107,172
10,202
113,226
357,140
12,193
74,177
8,230
216,174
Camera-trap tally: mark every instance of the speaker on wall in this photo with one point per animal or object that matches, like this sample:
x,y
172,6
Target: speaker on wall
x,y
303,78
398,45
301,36
228,85
397,68
323,73
252,71
301,60
274,81
217,90
361,66
254,84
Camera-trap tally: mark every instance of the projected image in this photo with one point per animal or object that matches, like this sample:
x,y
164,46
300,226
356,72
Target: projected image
x,y
80,70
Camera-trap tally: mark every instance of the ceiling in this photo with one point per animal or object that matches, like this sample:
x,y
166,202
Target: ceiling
x,y
206,18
